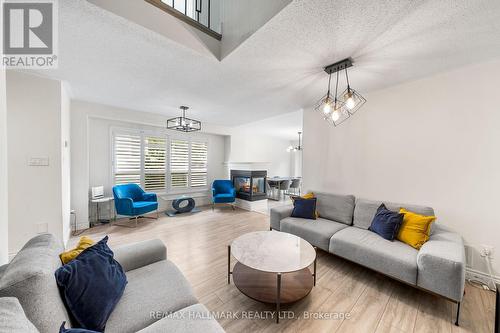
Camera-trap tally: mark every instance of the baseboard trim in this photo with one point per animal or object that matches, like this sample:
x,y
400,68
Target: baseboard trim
x,y
472,274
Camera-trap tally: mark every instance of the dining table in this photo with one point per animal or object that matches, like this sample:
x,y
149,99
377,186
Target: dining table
x,y
275,183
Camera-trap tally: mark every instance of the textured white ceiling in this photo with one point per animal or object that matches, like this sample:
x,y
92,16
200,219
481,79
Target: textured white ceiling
x,y
109,60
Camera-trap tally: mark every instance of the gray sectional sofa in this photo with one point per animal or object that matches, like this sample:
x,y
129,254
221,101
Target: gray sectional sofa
x,y
157,298
342,229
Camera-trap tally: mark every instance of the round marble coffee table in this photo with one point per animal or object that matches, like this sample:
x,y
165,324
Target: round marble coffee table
x,y
272,267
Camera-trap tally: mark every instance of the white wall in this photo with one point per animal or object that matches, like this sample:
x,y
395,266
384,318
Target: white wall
x,y
91,126
4,218
263,145
248,145
295,160
34,130
65,160
433,142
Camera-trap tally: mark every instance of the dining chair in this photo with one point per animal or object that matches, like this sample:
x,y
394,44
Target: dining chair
x,y
271,188
284,187
294,187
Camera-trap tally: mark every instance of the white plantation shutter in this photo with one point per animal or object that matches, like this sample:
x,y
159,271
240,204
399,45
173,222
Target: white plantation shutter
x,y
179,163
141,157
198,164
127,159
154,163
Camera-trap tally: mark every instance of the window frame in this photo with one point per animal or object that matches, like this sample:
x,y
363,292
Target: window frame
x,y
168,139
190,139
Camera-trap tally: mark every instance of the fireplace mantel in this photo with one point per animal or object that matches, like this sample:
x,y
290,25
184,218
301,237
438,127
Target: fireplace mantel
x,y
247,165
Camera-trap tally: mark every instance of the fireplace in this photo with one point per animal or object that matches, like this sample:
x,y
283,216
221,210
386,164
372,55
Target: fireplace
x,y
249,185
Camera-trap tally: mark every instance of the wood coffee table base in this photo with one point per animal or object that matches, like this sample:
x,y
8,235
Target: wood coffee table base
x,y
275,288
272,267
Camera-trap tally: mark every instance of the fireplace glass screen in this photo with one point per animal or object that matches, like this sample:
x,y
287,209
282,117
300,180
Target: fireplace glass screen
x,y
259,185
249,184
242,184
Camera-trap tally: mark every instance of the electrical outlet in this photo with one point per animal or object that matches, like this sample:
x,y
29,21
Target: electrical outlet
x,y
486,251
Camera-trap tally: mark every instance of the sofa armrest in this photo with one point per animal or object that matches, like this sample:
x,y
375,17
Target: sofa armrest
x,y
441,264
140,254
278,214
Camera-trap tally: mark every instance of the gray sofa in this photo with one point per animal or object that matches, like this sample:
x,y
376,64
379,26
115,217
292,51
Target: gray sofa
x,y
157,297
342,229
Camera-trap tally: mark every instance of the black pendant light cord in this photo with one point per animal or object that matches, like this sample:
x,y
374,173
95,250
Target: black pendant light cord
x,y
329,80
347,79
336,87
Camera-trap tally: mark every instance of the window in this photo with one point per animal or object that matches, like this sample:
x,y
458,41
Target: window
x,y
188,164
158,163
198,164
127,161
179,163
154,163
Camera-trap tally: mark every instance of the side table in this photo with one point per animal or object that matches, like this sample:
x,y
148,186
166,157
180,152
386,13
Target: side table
x,y
112,212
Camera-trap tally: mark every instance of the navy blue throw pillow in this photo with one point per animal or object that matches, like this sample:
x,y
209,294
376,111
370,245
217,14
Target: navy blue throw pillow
x,y
304,208
92,284
386,223
74,330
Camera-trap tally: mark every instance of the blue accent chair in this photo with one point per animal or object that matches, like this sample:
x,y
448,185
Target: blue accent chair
x,y
131,200
223,192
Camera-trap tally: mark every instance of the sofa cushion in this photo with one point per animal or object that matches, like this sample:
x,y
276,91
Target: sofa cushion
x,y
365,210
194,318
143,207
156,287
317,232
30,278
12,317
336,207
224,198
366,248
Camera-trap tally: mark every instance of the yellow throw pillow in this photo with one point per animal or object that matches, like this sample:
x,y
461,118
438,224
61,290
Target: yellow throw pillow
x,y
309,195
83,243
415,229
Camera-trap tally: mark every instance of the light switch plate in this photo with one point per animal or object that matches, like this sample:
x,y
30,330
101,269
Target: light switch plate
x,y
38,161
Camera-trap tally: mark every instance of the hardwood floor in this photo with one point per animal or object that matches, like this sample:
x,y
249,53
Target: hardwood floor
x,y
355,298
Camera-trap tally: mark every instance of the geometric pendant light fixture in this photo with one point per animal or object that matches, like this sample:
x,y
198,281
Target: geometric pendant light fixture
x,y
351,98
183,123
336,109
